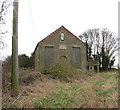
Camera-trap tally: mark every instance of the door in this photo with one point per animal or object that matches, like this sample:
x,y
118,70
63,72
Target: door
x,y
76,56
48,56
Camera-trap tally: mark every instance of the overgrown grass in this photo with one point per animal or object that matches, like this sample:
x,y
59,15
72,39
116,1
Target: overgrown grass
x,y
98,90
64,97
106,88
96,93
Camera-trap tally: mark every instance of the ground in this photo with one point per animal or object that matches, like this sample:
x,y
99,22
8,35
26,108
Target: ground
x,y
93,90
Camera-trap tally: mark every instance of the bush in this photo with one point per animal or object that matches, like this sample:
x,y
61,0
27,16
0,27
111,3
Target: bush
x,y
119,70
6,65
23,60
61,70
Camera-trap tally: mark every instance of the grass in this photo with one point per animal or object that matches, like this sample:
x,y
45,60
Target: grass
x,y
98,90
64,97
98,93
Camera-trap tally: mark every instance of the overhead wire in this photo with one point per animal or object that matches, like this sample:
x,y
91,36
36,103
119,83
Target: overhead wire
x,y
35,32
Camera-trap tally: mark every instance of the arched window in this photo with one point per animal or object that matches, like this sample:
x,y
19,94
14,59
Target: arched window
x,y
63,57
62,36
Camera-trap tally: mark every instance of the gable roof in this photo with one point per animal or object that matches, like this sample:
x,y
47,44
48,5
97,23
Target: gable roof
x,y
62,27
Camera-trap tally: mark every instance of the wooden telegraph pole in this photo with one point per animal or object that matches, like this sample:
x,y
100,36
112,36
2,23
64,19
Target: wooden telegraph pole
x,y
119,53
14,76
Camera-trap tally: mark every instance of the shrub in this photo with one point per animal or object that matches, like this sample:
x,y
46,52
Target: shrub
x,y
23,60
61,70
118,69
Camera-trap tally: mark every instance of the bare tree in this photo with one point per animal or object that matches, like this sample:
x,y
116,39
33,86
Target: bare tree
x,y
110,45
109,42
92,37
103,45
4,8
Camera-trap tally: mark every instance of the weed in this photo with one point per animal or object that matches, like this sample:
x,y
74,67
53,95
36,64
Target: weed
x,y
62,98
98,87
87,90
61,70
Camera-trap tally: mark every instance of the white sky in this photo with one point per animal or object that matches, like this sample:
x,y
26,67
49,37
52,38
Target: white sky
x,y
39,18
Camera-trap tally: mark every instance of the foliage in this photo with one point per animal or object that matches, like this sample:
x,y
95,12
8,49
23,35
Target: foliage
x,y
88,51
101,45
118,69
31,61
62,98
61,70
94,93
104,60
6,65
25,61
91,91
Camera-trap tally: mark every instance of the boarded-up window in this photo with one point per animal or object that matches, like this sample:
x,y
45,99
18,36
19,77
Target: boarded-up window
x,y
76,56
48,56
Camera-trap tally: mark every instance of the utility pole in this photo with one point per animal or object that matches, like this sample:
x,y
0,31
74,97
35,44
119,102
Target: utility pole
x,y
119,53
14,76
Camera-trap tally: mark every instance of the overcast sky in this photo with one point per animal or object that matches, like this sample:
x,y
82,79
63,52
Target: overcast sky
x,y
39,18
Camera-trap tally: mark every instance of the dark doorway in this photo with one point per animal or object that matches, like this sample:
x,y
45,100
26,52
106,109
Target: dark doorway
x,y
95,69
76,56
48,56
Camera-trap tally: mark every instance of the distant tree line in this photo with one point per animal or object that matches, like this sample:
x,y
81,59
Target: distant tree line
x,y
101,45
24,62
